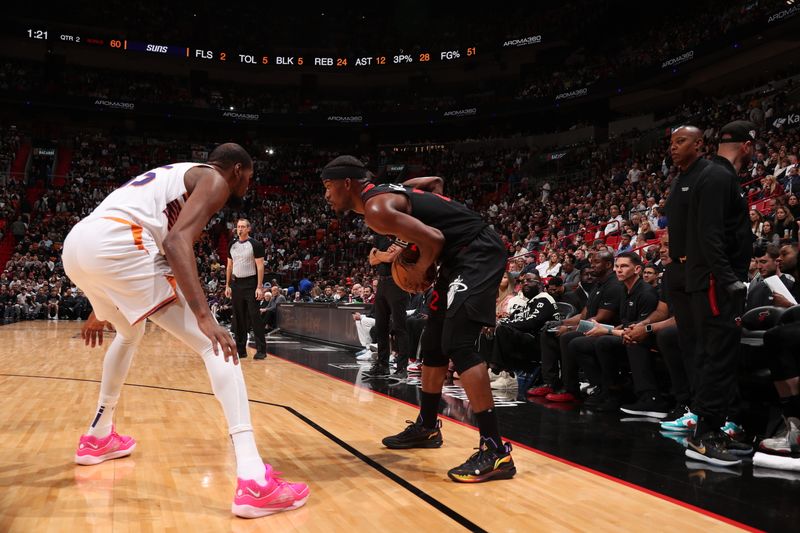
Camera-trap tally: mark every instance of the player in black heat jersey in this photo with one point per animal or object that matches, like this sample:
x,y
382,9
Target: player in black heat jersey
x,y
471,261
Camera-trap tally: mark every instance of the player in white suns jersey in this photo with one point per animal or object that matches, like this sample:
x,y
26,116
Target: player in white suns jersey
x,y
155,208
133,256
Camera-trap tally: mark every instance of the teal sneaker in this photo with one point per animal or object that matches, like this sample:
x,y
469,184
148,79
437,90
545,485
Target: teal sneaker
x,y
732,429
684,424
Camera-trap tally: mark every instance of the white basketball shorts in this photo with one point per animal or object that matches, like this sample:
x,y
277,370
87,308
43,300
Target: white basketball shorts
x,y
118,265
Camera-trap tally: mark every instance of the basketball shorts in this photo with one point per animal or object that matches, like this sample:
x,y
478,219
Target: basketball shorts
x,y
463,298
117,264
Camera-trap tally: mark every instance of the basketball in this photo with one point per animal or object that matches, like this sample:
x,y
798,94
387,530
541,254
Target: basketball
x,y
405,260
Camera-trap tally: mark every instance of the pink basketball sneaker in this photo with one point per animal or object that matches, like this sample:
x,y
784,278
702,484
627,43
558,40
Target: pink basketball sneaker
x,y
93,450
253,500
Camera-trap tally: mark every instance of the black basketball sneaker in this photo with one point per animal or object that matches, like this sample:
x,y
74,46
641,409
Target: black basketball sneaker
x,y
416,436
712,447
486,464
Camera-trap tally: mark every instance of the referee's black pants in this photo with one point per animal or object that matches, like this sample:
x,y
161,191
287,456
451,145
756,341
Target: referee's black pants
x,y
390,315
717,314
245,313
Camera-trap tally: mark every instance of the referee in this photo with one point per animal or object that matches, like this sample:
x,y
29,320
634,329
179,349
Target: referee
x,y
244,275
719,245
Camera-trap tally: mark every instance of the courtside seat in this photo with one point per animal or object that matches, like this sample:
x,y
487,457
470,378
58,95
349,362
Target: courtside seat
x,y
565,309
790,315
757,321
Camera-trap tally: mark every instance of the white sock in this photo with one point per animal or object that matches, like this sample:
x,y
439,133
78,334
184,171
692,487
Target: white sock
x,y
227,382
103,420
116,364
249,464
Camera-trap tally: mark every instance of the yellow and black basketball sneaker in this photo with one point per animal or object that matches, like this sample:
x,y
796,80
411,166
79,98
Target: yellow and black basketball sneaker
x,y
416,436
486,464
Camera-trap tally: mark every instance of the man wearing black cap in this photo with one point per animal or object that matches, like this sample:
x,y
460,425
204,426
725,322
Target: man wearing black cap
x,y
718,249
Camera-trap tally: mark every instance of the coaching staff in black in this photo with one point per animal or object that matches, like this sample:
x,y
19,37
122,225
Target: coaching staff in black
x,y
686,143
718,249
244,279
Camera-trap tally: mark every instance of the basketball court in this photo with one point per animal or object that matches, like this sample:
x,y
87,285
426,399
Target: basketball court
x,y
310,425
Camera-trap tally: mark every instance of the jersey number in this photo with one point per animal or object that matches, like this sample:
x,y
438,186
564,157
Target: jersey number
x,y
145,178
434,305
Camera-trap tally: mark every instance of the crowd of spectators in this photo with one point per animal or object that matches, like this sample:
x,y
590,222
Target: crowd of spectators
x,y
619,199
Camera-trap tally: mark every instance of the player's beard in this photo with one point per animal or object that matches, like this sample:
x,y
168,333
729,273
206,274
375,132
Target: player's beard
x,y
529,291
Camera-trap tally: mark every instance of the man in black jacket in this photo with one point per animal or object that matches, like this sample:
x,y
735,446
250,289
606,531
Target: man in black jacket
x,y
686,143
718,250
516,338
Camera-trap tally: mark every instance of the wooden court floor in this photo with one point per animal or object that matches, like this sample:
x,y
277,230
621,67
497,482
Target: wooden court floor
x,y
311,427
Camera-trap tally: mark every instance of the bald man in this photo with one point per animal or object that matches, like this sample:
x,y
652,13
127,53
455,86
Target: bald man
x,y
686,144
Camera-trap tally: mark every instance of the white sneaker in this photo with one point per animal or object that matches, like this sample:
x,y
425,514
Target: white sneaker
x,y
414,366
494,377
504,382
786,441
368,356
373,347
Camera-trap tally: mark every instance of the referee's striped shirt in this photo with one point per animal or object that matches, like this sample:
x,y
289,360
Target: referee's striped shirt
x,y
244,255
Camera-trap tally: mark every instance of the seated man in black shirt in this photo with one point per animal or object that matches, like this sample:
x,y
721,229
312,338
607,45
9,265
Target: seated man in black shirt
x,y
555,288
650,275
603,305
601,348
578,296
